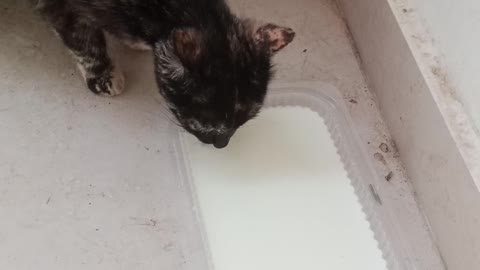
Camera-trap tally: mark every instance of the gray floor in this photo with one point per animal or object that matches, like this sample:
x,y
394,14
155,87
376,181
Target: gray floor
x,y
82,182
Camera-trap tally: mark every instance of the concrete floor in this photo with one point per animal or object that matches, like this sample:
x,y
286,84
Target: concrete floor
x,y
84,180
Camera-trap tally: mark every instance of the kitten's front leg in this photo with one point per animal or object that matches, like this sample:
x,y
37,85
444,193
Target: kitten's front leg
x,y
89,48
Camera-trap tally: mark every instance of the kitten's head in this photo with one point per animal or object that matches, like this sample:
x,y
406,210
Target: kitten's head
x,y
215,80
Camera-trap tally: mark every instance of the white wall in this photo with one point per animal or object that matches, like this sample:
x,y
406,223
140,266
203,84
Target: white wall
x,y
455,27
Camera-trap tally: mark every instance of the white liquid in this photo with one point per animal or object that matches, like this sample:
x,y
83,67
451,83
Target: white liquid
x,y
278,198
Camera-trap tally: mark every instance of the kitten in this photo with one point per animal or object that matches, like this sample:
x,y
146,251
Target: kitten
x,y
212,67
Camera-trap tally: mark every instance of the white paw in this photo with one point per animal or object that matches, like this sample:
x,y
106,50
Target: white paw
x,y
108,84
117,85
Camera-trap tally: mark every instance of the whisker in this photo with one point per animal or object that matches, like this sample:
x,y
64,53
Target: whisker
x,y
168,114
171,119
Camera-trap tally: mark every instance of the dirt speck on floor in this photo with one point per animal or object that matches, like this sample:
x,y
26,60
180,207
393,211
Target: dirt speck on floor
x,y
375,194
384,148
380,158
389,176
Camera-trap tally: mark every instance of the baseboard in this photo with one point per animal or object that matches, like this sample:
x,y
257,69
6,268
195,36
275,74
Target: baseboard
x,y
434,135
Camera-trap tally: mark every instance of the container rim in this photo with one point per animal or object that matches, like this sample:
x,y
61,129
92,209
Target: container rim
x,y
326,101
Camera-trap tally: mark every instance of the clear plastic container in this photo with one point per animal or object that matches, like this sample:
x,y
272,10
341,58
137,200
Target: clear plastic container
x,y
328,103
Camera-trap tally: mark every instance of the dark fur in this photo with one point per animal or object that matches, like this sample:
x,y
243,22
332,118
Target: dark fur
x,y
212,67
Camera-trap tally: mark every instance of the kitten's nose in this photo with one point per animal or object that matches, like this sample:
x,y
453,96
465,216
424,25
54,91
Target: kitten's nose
x,y
221,141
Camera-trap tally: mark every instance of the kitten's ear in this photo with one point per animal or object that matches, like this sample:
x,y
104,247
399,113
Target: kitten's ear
x,y
188,44
273,37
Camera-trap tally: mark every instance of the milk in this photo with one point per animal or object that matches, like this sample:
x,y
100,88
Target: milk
x,y
278,198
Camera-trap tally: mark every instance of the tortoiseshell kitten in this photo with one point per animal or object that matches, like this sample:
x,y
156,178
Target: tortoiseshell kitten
x,y
212,67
